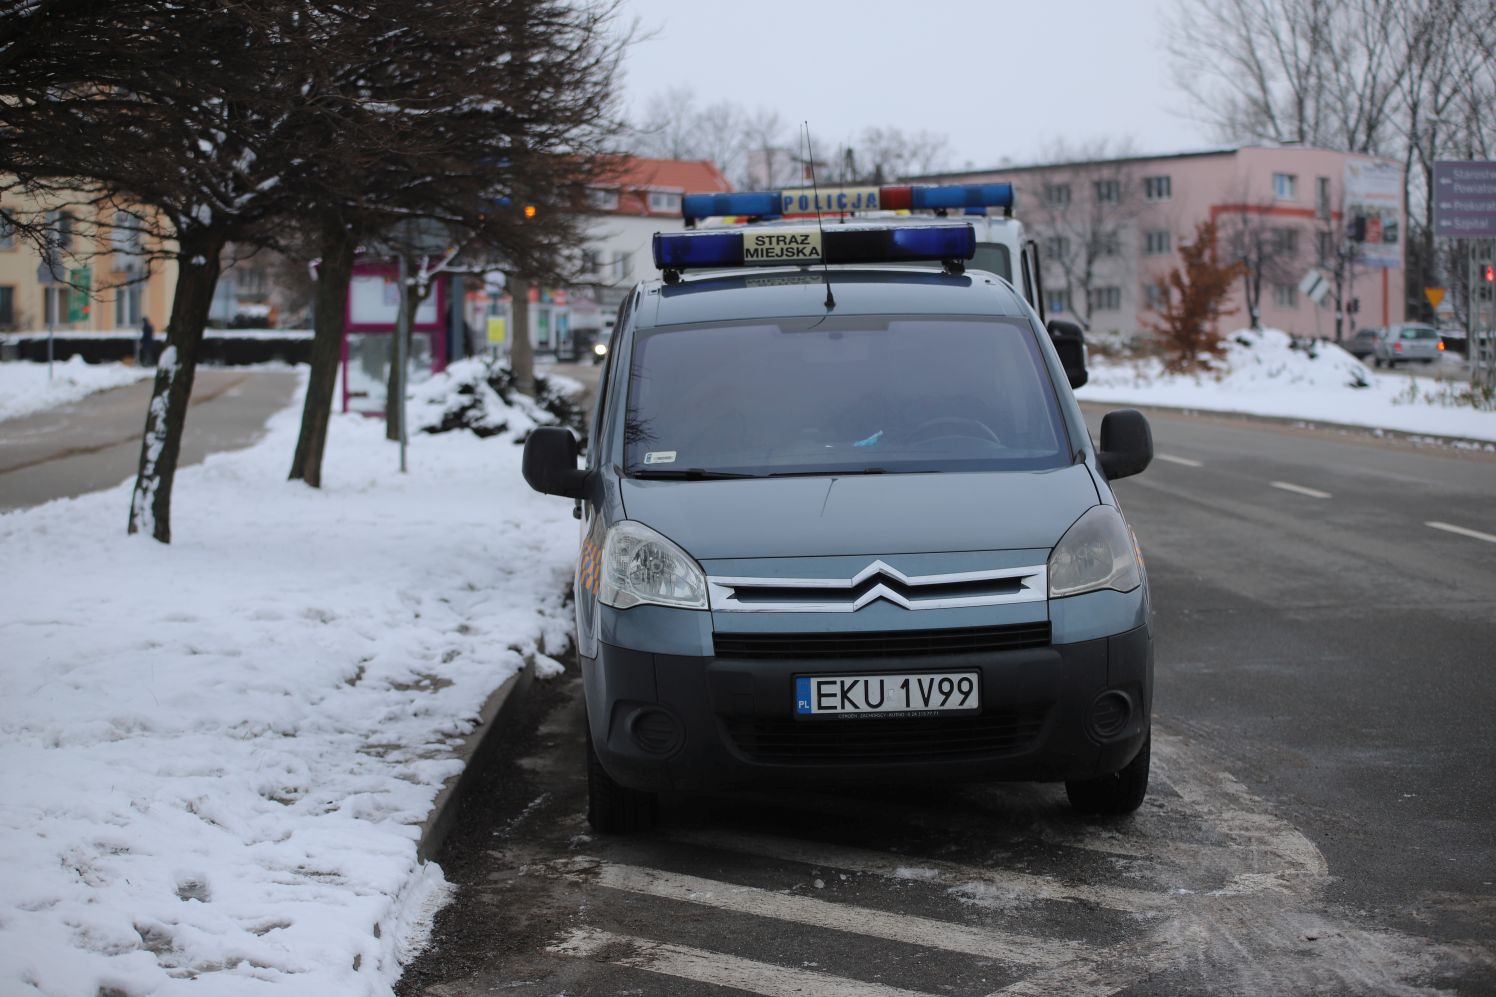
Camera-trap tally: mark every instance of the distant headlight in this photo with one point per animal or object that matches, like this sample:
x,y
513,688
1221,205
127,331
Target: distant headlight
x,y
601,349
1097,552
640,566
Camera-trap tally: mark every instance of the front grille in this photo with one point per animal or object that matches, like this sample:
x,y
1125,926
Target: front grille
x,y
886,643
807,742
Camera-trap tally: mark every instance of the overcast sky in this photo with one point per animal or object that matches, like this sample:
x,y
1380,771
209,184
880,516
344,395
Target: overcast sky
x,y
1000,79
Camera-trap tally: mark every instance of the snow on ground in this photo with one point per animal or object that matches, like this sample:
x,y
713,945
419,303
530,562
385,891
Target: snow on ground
x,y
24,387
214,755
1262,374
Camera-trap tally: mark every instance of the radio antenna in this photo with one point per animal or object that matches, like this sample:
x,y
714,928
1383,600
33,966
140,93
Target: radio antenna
x,y
816,190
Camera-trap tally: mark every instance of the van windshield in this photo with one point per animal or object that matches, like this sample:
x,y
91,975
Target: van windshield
x,y
847,395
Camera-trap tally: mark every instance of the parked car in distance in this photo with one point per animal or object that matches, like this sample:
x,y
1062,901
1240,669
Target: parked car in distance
x,y
1408,341
1363,344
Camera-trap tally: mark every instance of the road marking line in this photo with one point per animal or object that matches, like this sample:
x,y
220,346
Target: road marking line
x,y
1103,972
1021,886
1182,461
714,968
1300,489
987,943
1462,531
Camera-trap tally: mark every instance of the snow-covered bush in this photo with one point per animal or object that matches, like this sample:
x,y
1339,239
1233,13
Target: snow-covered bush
x,y
478,394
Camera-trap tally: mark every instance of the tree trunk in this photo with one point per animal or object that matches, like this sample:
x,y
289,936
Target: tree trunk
x,y
339,244
410,301
197,274
521,356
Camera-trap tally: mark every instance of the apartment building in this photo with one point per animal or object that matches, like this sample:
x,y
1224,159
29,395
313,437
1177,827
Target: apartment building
x,y
640,198
109,249
1110,230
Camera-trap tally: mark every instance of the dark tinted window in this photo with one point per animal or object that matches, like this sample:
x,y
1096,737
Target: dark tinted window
x,y
992,257
828,395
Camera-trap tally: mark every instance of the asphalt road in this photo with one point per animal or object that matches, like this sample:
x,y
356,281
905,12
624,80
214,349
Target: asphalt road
x,y
1322,816
94,443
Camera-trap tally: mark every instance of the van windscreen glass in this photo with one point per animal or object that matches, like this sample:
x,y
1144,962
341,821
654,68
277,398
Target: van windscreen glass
x,y
840,395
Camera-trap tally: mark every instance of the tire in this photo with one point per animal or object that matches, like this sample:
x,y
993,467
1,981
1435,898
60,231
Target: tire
x,y
611,808
1114,795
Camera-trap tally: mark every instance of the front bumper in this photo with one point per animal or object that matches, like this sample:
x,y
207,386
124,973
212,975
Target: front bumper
x,y
684,722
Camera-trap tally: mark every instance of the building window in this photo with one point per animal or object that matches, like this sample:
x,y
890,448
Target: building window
x,y
60,228
1105,299
55,303
7,307
663,202
127,306
1154,297
7,232
1321,197
1325,244
1158,188
1056,247
1285,242
125,235
1285,296
1057,302
1057,195
1157,241
1109,243
1286,186
604,200
1108,191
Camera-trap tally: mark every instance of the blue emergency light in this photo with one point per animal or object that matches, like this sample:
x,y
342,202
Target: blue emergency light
x,y
846,200
805,244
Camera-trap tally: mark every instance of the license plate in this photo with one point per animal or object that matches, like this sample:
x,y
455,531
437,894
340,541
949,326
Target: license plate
x,y
922,693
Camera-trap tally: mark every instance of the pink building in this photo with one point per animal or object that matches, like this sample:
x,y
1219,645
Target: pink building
x,y
1109,230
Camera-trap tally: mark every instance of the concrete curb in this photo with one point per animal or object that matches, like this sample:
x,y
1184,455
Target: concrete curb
x,y
476,747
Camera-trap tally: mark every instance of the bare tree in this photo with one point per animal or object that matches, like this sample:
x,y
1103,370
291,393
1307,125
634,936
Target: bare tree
x,y
1086,209
1311,72
1266,249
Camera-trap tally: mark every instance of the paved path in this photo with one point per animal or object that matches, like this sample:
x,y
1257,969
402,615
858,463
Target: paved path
x,y
94,443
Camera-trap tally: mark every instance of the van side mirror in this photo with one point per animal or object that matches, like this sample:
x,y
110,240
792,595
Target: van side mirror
x,y
550,463
1070,344
1126,443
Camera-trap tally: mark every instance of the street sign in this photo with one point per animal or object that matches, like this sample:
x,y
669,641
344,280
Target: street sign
x,y
1434,296
1314,286
1465,199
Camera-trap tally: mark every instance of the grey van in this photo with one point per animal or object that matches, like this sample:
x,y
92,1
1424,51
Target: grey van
x,y
845,524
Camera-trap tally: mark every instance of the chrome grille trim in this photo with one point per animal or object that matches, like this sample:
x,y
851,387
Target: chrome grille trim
x,y
839,595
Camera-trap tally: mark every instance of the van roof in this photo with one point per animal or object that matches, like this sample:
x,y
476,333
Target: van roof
x,y
716,296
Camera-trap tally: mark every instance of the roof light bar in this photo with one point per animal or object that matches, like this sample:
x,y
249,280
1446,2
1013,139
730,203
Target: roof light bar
x,y
676,251
844,200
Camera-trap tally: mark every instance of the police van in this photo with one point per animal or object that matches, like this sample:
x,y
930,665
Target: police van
x,y
1002,248
842,522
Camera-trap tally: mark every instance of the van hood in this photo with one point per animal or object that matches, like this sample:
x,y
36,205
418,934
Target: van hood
x,y
863,514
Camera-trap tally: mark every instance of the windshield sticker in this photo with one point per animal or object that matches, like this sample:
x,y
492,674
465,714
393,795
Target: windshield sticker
x,y
660,457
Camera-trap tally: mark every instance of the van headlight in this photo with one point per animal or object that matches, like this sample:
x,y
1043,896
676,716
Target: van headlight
x,y
641,567
1097,552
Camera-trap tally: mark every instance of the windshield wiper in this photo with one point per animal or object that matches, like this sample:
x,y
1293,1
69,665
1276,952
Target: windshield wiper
x,y
827,474
689,474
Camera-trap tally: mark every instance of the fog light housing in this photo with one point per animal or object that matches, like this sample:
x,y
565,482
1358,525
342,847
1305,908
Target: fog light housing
x,y
655,731
1110,713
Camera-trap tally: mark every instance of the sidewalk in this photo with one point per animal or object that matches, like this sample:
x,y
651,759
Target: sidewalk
x,y
216,756
93,442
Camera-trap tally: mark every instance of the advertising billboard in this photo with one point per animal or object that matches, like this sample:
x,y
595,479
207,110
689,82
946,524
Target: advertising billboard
x,y
1373,209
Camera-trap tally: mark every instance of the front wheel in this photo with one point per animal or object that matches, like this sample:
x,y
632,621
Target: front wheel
x,y
1117,794
611,808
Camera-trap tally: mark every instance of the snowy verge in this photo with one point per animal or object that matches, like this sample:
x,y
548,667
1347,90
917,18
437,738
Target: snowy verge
x,y
1263,374
24,387
215,755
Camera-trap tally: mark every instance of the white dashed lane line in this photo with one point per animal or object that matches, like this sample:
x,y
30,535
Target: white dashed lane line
x,y
1462,531
1300,489
1181,461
